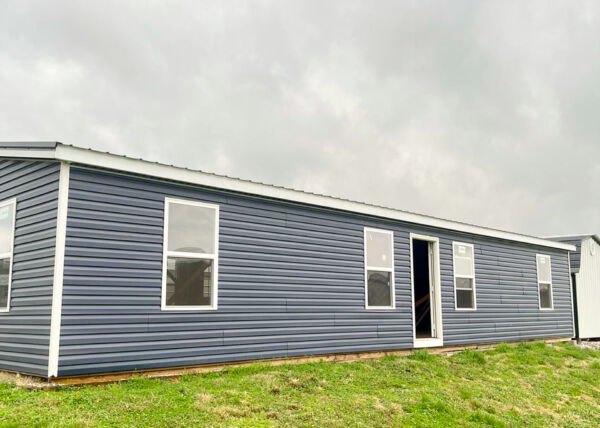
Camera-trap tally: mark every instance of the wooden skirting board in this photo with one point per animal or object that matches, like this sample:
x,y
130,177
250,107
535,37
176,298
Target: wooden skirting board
x,y
32,382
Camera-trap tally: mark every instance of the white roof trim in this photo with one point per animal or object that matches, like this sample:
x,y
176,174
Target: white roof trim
x,y
28,153
138,166
571,236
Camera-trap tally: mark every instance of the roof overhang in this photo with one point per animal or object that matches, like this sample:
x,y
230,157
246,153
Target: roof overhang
x,y
71,154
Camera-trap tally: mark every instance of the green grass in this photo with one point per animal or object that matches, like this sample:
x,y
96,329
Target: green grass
x,y
530,384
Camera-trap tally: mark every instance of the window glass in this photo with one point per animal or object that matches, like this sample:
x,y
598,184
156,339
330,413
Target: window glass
x,y
6,228
463,260
544,271
189,281
191,228
545,296
463,267
191,255
379,249
4,281
464,283
464,299
461,250
380,288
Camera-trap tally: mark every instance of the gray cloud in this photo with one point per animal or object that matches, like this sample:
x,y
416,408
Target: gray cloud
x,y
484,112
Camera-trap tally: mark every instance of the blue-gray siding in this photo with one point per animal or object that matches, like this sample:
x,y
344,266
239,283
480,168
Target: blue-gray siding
x,y
291,283
25,329
575,255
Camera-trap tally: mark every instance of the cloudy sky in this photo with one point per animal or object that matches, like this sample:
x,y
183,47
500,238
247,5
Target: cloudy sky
x,y
484,112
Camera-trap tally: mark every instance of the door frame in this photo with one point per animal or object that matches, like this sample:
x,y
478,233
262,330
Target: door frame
x,y
436,291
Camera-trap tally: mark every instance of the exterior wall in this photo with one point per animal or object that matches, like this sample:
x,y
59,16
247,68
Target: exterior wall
x,y
588,290
25,329
507,295
575,255
291,282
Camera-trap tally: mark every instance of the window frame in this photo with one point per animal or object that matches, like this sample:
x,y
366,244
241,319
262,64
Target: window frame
x,y
10,254
456,308
213,256
549,283
368,268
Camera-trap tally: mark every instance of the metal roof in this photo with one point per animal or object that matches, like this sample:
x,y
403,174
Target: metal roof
x,y
577,237
94,158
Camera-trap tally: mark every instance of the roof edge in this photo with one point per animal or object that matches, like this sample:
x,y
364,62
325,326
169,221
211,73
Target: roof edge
x,y
577,237
99,159
28,145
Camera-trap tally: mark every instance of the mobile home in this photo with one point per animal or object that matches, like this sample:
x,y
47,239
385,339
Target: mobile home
x,y
585,272
113,264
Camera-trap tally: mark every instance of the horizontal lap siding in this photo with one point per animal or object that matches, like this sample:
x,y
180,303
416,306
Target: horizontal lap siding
x,y
575,255
507,295
291,282
25,329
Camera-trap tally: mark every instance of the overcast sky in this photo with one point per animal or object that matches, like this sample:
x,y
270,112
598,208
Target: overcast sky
x,y
484,112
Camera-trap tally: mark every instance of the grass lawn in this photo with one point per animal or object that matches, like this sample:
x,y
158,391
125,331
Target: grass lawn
x,y
530,384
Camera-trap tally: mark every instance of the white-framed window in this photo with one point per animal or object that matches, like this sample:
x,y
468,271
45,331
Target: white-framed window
x,y
544,277
464,276
379,269
190,255
7,236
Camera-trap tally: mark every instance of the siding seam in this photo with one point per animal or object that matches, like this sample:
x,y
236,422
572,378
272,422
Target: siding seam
x,y
59,263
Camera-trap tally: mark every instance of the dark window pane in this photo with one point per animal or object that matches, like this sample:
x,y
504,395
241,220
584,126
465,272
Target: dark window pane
x,y
545,296
464,299
4,276
189,281
464,283
379,287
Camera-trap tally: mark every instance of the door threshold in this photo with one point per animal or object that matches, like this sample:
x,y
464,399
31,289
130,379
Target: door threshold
x,y
432,342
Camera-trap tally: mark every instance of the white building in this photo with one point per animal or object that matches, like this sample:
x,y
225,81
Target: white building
x,y
585,275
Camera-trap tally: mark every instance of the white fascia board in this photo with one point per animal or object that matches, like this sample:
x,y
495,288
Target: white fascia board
x,y
168,172
28,153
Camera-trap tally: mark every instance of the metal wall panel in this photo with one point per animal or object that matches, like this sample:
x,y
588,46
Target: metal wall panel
x,y
25,329
291,282
588,289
